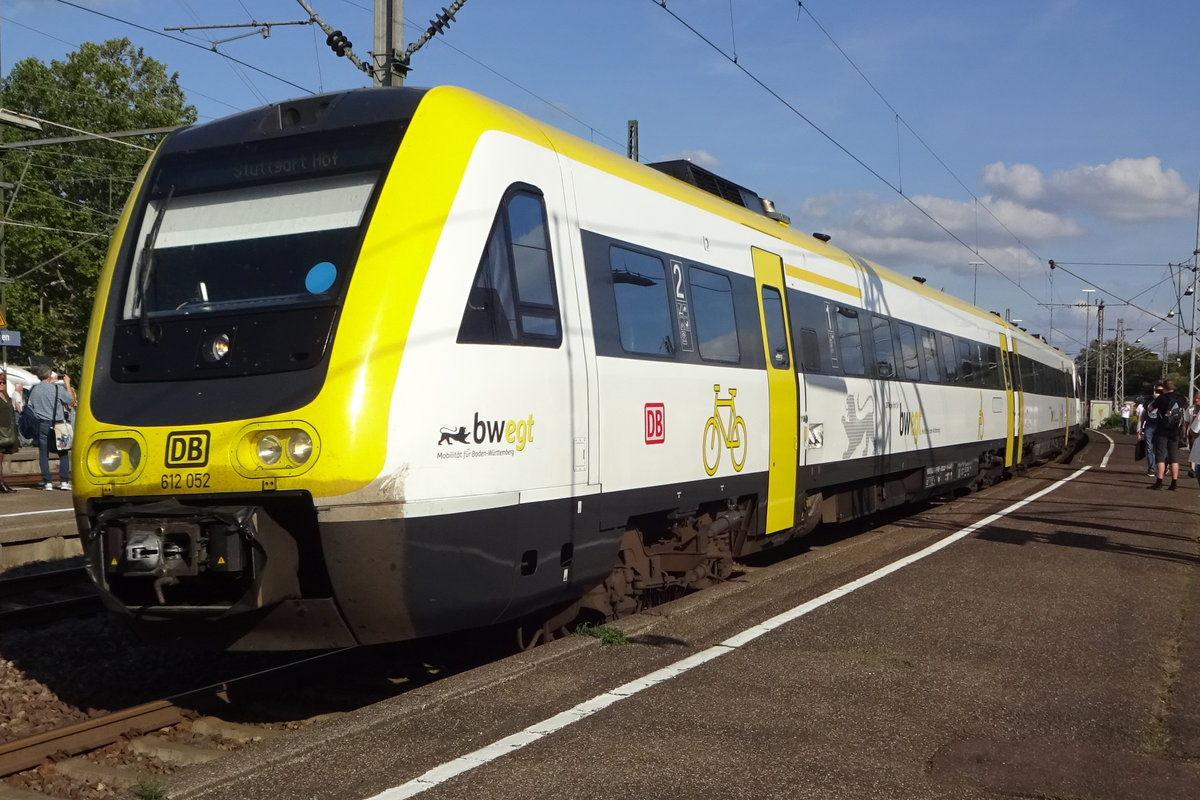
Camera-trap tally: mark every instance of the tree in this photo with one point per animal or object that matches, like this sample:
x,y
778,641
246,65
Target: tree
x,y
1143,368
67,198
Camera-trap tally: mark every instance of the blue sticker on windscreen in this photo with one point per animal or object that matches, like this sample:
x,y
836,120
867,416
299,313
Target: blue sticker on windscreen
x,y
320,277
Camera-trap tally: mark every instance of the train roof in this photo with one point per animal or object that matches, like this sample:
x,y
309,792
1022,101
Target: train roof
x,y
683,180
311,114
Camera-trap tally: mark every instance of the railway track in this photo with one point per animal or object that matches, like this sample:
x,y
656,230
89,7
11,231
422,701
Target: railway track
x,y
40,596
121,749
145,742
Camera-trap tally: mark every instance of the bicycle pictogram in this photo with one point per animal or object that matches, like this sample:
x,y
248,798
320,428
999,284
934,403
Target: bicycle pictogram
x,y
718,435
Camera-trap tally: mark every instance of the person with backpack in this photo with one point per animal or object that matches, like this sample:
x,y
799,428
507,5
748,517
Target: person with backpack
x,y
49,401
1168,408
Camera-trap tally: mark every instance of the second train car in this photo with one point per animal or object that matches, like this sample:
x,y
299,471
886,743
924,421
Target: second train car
x,y
389,363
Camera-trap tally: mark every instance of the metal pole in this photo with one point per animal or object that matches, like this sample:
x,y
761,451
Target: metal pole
x,y
975,287
1192,333
1087,353
1119,353
1087,330
1100,356
389,41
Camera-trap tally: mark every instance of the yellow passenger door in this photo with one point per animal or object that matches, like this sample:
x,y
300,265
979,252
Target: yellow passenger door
x,y
781,386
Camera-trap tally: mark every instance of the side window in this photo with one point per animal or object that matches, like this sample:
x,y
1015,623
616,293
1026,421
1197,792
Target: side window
x,y
712,306
643,315
933,367
885,352
949,358
835,358
513,299
906,347
966,363
777,344
850,342
991,367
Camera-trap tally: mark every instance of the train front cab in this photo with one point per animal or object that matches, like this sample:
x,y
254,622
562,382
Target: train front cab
x,y
345,535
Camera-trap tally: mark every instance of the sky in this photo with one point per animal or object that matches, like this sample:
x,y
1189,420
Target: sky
x,y
968,143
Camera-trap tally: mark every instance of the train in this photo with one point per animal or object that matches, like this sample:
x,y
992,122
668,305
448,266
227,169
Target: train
x,y
379,365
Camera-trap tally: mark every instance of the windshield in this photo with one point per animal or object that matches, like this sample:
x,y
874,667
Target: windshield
x,y
264,245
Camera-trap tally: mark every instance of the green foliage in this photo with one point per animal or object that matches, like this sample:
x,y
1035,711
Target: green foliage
x,y
1143,368
150,789
605,633
68,197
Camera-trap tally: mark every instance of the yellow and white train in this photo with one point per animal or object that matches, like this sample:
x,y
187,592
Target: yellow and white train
x,y
389,363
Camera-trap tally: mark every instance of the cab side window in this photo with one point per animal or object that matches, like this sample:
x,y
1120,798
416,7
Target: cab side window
x,y
513,298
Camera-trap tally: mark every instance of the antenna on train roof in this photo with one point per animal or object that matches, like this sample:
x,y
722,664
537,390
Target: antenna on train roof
x,y
824,237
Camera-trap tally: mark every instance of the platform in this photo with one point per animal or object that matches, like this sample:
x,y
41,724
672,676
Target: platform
x,y
991,647
21,468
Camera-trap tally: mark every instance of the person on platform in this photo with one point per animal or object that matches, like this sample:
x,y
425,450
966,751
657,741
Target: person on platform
x,y
1147,423
1169,407
49,400
1126,410
9,442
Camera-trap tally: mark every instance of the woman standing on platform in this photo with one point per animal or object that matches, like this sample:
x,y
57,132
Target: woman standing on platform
x,y
9,443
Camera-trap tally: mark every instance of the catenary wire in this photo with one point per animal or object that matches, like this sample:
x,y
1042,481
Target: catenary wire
x,y
829,137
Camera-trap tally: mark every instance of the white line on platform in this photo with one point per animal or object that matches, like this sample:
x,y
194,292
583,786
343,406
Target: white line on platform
x,y
32,513
510,744
1111,446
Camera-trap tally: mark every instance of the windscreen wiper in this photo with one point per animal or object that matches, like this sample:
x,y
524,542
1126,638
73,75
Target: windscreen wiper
x,y
146,270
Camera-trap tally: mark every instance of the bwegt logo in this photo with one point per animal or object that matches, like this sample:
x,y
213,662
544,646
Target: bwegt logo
x,y
910,423
517,432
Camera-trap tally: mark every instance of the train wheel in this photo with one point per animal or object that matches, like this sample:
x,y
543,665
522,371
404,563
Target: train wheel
x,y
541,628
712,446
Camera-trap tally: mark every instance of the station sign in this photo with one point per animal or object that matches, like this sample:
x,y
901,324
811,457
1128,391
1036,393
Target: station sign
x,y
10,338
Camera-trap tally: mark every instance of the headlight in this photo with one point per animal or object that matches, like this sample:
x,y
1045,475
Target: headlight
x,y
118,457
278,449
300,446
269,449
110,456
217,348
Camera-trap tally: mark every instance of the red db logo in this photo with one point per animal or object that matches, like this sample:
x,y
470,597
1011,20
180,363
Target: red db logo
x,y
656,430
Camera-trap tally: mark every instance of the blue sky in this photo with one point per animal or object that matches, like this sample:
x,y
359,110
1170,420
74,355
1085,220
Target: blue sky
x,y
924,135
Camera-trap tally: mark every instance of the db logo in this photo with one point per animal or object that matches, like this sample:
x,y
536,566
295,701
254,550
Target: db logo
x,y
656,429
187,449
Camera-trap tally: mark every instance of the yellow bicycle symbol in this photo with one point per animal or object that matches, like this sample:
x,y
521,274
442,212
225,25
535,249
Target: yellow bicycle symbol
x,y
733,436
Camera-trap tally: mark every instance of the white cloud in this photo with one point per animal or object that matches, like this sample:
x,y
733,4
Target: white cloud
x,y
880,229
1021,182
1127,190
